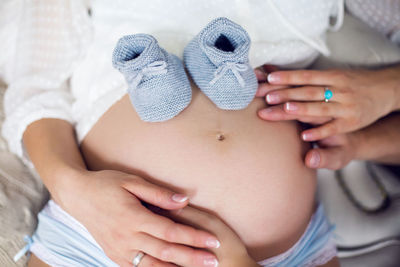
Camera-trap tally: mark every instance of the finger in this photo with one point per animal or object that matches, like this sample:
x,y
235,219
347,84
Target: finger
x,y
197,218
178,254
260,75
264,88
156,195
148,260
332,158
269,68
303,77
277,113
318,109
326,130
335,140
306,93
262,72
168,230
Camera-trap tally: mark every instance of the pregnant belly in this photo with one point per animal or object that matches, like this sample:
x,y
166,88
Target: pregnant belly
x,y
247,171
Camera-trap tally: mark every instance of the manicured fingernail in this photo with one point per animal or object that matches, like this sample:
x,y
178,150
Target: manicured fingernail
x,y
213,243
307,136
315,159
179,198
291,106
273,78
211,262
272,98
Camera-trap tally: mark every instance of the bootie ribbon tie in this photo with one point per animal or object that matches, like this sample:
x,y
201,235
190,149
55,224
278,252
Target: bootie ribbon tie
x,y
28,240
235,67
154,68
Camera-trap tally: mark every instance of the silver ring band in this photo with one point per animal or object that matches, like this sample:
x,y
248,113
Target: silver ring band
x,y
138,258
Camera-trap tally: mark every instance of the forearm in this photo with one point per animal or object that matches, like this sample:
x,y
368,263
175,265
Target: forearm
x,y
380,141
52,148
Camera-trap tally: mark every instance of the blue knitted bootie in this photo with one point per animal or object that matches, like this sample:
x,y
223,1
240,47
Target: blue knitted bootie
x,y
158,86
218,61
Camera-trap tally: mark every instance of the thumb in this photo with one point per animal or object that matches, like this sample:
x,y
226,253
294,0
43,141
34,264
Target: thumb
x,y
156,195
332,158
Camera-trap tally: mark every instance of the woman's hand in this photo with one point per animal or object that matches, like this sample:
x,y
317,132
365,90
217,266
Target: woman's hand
x,y
333,152
109,205
232,252
360,97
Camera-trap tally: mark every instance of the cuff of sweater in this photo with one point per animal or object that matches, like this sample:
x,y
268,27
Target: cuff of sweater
x,y
14,128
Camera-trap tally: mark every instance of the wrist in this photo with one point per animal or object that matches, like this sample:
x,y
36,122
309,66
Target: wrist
x,y
397,96
395,73
70,183
358,143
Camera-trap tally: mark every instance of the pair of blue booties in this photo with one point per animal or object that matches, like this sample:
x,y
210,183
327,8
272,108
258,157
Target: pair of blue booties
x,y
217,60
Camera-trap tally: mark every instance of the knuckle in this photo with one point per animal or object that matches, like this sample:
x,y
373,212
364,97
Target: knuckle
x,y
195,257
303,108
170,232
325,109
311,94
160,196
130,183
165,253
285,94
306,76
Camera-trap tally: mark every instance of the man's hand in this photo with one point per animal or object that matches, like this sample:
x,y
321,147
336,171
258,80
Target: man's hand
x,y
333,152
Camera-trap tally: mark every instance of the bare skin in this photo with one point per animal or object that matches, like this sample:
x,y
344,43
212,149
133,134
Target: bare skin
x,y
52,148
352,125
255,163
209,147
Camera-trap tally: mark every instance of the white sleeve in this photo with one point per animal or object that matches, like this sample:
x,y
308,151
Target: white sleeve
x,y
52,35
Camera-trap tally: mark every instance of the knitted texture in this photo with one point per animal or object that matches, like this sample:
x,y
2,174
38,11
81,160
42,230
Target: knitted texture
x,y
157,83
218,61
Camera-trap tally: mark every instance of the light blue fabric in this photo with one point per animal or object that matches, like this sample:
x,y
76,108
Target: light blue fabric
x,y
309,250
67,245
218,61
60,240
158,86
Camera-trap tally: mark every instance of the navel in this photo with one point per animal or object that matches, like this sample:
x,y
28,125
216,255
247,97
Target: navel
x,y
220,137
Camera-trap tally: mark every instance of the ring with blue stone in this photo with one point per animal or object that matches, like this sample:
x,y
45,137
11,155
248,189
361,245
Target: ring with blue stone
x,y
328,94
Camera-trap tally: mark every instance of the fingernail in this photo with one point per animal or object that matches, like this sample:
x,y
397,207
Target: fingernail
x,y
273,77
307,136
213,243
211,262
179,198
272,98
291,106
315,159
